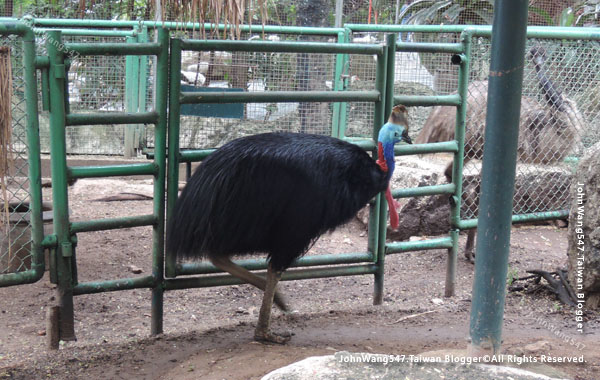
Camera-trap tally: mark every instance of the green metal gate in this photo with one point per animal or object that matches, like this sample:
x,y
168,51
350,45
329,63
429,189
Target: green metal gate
x,y
167,274
372,261
29,256
62,243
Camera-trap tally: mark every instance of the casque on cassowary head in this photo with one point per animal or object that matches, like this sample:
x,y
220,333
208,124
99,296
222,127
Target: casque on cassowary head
x,y
275,193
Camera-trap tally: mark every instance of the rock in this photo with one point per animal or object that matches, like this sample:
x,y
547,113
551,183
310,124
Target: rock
x,y
584,228
346,365
540,347
134,269
437,301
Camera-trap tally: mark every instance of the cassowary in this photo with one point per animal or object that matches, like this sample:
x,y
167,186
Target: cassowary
x,y
276,193
548,131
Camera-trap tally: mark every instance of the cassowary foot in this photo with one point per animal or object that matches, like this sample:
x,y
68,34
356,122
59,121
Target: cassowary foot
x,y
470,256
271,337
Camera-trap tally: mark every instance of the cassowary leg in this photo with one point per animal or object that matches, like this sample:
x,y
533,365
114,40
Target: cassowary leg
x,y
470,245
262,332
225,264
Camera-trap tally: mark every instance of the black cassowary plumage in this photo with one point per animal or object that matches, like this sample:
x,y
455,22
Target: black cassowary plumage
x,y
277,193
273,193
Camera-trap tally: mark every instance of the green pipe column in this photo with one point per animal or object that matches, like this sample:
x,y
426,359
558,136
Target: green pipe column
x,y
58,162
338,85
498,176
160,149
132,72
173,141
382,110
345,82
457,166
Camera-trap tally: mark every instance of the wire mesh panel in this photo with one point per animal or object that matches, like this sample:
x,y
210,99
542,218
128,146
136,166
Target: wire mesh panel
x,y
558,121
15,227
211,125
97,83
559,111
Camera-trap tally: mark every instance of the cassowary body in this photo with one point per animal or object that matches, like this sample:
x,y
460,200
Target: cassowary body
x,y
547,132
274,193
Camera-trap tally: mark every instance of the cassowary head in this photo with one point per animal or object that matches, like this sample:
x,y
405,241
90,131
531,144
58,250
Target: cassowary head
x,y
392,132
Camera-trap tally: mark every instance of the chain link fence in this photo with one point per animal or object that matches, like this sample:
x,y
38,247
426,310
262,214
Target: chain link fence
x,y
207,126
560,112
560,118
15,228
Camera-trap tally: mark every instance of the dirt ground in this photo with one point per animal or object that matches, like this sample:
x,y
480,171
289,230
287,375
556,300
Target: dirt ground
x,y
208,332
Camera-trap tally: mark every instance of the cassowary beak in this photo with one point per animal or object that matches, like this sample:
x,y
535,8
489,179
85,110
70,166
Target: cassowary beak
x,y
406,138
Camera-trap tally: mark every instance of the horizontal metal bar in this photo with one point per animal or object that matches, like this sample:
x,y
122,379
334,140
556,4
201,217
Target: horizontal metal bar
x,y
194,155
424,190
520,218
53,22
568,33
545,32
98,118
428,100
188,25
113,285
407,246
364,143
114,48
282,47
296,274
20,278
429,47
279,96
439,147
112,170
113,223
259,264
406,28
14,27
88,32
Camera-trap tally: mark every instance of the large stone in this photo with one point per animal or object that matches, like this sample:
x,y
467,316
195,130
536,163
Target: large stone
x,y
584,228
346,365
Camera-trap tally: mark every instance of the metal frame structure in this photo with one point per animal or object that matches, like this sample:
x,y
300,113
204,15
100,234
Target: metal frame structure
x,y
373,259
167,154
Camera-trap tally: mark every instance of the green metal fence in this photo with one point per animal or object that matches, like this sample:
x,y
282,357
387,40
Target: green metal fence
x,y
360,82
372,261
21,232
553,132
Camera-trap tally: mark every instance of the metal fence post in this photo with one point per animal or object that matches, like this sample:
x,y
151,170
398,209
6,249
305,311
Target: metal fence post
x,y
58,161
382,109
160,159
132,66
498,175
463,60
173,141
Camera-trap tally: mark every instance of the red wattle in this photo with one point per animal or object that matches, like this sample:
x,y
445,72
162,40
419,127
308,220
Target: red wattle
x,y
380,158
394,219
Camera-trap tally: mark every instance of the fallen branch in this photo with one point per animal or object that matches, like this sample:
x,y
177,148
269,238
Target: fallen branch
x,y
412,316
559,287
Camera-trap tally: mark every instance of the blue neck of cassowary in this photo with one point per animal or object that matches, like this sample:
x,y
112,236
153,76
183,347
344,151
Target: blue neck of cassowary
x,y
388,154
